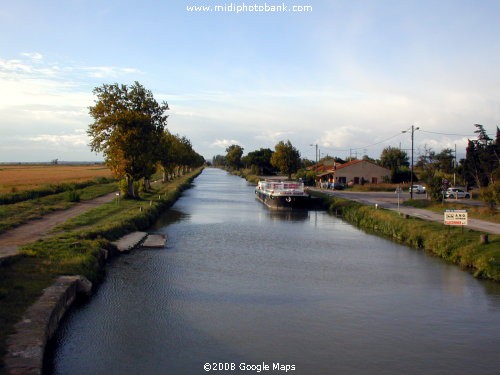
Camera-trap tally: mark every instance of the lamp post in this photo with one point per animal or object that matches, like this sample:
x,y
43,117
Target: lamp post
x,y
413,128
316,151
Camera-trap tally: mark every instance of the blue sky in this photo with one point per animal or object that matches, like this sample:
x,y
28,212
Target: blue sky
x,y
349,76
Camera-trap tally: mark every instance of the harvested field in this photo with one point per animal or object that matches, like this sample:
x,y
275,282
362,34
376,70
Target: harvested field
x,y
20,177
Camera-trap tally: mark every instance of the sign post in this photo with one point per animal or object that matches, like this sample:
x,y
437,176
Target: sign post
x,y
455,217
398,192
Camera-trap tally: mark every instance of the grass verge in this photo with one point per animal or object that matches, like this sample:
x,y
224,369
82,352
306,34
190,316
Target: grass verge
x,y
475,212
463,249
75,249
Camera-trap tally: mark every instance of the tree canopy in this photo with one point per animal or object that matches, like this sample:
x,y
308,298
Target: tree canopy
x,y
396,160
129,128
261,159
128,122
233,156
286,158
482,161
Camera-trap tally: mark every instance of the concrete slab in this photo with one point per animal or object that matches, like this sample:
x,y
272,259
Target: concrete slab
x,y
129,241
155,240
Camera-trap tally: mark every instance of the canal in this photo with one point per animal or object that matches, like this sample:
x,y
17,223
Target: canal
x,y
239,284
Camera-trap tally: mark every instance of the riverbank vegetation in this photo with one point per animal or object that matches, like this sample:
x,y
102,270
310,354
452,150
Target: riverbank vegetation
x,y
77,247
452,244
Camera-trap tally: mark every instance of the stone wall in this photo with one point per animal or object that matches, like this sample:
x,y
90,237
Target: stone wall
x,y
26,347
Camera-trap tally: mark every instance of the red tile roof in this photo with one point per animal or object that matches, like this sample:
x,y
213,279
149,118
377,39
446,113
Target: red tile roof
x,y
349,163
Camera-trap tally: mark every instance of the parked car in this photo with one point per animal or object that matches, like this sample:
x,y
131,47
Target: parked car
x,y
417,189
338,186
453,193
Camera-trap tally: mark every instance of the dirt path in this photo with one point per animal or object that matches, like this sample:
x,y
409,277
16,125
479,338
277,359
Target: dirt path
x,y
36,229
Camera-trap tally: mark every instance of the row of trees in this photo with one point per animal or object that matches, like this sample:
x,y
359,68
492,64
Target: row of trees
x,y
129,128
285,158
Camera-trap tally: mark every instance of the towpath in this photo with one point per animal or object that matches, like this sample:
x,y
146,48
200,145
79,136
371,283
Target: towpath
x,y
389,201
33,230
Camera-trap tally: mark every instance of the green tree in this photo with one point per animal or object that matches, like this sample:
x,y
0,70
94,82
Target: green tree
x,y
394,158
445,160
491,196
233,156
435,188
286,158
260,159
481,165
397,161
128,122
219,160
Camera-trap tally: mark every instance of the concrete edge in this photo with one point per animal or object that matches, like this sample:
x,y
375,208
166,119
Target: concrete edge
x,y
26,347
129,241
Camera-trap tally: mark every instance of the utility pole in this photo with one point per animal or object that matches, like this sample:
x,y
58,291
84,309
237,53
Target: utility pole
x,y
455,167
316,151
413,128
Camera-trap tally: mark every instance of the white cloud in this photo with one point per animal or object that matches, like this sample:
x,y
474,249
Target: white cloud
x,y
45,106
272,137
76,139
224,143
109,71
34,56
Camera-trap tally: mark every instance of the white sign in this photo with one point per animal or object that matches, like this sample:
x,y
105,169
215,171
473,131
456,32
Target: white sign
x,y
455,217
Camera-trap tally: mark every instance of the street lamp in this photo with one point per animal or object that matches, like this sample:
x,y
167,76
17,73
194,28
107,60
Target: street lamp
x,y
316,151
413,128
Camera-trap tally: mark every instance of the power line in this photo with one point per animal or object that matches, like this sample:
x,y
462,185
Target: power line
x,y
377,143
363,147
397,135
458,135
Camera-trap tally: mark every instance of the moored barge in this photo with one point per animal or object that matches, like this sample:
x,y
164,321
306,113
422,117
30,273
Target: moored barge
x,y
279,194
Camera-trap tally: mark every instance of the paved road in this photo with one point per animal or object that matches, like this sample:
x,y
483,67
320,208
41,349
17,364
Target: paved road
x,y
389,201
33,230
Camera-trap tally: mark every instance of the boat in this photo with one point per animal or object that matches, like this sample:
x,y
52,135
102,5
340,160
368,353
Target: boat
x,y
278,194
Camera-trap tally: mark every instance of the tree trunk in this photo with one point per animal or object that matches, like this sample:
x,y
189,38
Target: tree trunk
x,y
130,187
164,178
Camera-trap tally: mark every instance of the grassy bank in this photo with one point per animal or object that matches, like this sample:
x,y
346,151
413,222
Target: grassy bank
x,y
13,215
449,243
246,174
475,212
75,248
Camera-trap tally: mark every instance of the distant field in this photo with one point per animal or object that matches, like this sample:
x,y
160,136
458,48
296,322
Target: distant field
x,y
26,177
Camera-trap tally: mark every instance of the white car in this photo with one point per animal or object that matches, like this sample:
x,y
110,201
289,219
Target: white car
x,y
417,189
453,193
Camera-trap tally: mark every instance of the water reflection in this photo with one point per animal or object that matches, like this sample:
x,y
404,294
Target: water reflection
x,y
291,215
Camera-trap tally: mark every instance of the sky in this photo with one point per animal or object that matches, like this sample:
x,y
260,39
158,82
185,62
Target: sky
x,y
347,75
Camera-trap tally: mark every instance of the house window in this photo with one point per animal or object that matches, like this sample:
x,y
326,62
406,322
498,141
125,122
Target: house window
x,y
356,180
374,180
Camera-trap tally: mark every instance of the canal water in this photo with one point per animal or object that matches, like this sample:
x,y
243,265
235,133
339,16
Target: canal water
x,y
242,287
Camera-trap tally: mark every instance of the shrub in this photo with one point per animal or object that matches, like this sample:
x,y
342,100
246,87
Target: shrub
x,y
73,196
491,195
